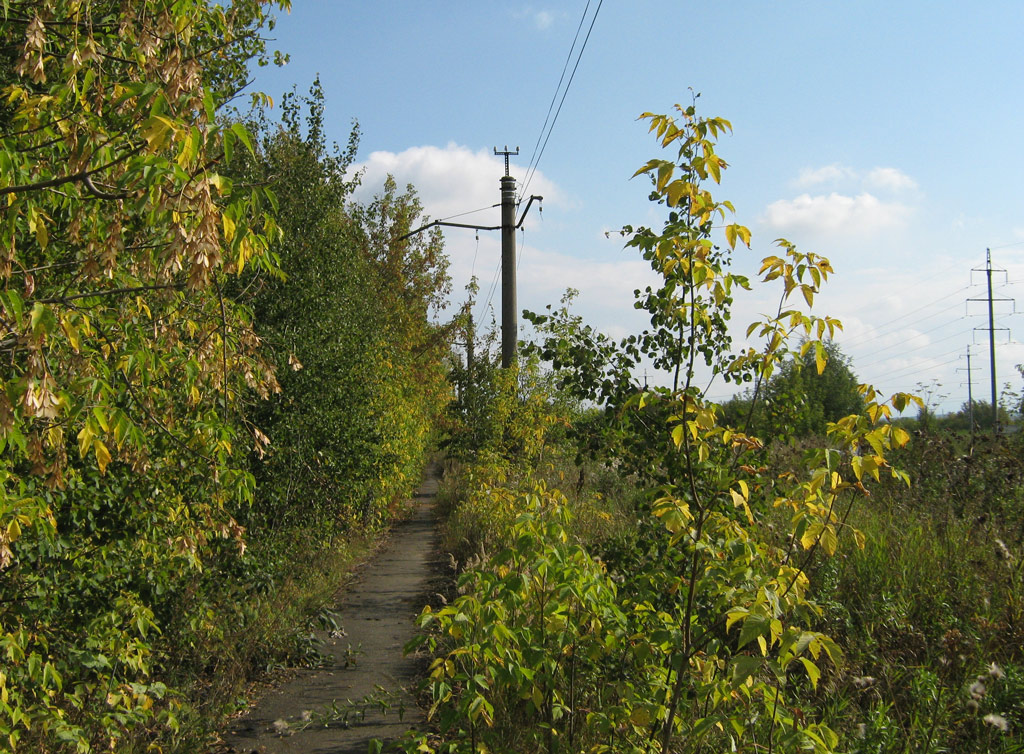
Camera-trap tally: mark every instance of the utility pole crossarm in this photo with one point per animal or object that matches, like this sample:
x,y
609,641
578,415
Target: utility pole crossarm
x,y
436,223
528,204
506,154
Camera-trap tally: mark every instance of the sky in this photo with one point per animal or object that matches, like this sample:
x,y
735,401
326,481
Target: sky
x,y
888,137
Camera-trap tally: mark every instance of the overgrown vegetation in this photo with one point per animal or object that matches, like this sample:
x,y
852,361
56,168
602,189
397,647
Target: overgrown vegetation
x,y
222,377
208,404
747,600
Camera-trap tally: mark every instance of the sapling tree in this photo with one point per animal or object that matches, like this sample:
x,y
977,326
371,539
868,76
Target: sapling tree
x,y
723,610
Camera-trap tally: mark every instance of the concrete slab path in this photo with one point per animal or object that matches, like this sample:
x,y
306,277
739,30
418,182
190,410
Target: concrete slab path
x,y
318,711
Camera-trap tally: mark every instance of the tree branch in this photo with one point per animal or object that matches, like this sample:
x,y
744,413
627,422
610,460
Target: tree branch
x,y
73,178
109,292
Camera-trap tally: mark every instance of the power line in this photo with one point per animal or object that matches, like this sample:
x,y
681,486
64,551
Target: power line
x,y
470,212
557,88
957,334
1007,245
904,374
918,348
494,285
554,120
879,328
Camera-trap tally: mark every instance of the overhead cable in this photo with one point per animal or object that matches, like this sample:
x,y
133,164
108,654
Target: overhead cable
x,y
561,102
558,88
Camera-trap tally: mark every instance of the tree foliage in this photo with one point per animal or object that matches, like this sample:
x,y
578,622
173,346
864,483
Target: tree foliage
x,y
189,391
358,360
124,363
798,400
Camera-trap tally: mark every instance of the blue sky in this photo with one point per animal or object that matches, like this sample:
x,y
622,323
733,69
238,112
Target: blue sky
x,y
885,136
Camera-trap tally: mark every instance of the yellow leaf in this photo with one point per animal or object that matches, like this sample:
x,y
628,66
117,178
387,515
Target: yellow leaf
x,y
810,536
740,502
730,235
829,540
812,671
71,332
42,236
874,438
85,438
245,250
156,130
102,454
857,464
676,190
229,227
640,717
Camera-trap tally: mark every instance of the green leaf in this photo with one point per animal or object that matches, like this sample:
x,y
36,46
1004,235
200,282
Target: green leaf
x,y
243,135
229,146
745,666
42,320
208,106
812,671
753,627
222,183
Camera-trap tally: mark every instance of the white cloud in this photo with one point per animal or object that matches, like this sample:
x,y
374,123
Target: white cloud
x,y
884,178
863,214
826,174
543,19
550,273
891,179
450,180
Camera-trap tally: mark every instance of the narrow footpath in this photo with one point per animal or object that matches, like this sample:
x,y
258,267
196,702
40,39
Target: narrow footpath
x,y
364,689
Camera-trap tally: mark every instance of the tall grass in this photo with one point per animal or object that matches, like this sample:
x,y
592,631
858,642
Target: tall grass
x,y
931,610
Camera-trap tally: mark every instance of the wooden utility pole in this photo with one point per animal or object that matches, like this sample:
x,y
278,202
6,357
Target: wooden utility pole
x,y
509,315
508,227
